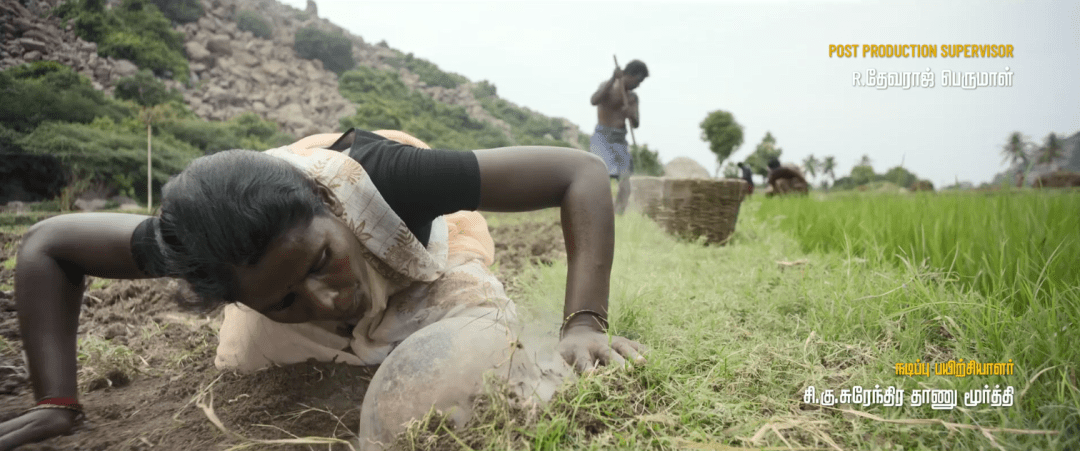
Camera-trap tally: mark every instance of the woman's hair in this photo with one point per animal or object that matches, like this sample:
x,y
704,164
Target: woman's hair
x,y
223,211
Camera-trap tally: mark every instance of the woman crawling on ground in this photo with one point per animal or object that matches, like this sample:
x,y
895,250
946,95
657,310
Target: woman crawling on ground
x,y
361,248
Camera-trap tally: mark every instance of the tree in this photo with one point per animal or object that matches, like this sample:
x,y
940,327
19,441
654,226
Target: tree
x,y
862,174
865,160
731,171
180,11
901,177
828,167
723,134
1051,150
1015,151
646,162
811,165
248,20
145,90
333,49
765,151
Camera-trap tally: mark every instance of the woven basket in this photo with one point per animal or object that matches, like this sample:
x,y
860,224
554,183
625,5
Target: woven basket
x,y
690,208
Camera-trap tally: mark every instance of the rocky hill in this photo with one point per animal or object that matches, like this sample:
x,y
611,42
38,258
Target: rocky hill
x,y
233,71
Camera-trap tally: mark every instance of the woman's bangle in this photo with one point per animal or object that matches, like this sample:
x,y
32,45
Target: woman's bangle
x,y
599,317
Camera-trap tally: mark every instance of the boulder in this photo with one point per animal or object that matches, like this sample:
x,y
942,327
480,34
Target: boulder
x,y
685,168
40,36
220,44
197,52
90,204
33,45
125,68
245,59
14,207
126,203
293,117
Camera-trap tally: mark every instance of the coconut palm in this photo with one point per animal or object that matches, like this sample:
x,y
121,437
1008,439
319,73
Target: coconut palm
x,y
1015,151
810,165
1051,150
828,167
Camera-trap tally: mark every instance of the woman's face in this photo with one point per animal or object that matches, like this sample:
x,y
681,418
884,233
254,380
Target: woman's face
x,y
312,272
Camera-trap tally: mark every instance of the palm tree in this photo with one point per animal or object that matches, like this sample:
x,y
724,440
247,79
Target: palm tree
x,y
810,165
1014,151
1051,150
828,166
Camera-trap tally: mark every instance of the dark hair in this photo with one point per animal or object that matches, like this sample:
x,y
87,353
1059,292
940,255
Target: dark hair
x,y
774,163
223,211
636,67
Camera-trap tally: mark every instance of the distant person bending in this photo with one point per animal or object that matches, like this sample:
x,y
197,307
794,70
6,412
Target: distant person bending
x,y
785,180
615,104
748,176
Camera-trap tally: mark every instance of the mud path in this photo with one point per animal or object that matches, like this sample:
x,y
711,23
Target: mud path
x,y
144,364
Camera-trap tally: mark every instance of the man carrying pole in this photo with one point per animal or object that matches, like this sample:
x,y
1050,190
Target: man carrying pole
x,y
615,104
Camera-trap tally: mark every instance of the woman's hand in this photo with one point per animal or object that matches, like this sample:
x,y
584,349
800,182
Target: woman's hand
x,y
35,426
583,347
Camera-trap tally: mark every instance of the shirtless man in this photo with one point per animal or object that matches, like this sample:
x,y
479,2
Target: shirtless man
x,y
615,104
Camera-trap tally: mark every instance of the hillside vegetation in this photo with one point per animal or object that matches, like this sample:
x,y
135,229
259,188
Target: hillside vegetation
x,y
57,115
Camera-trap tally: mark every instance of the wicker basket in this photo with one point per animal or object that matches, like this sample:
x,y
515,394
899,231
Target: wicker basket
x,y
690,208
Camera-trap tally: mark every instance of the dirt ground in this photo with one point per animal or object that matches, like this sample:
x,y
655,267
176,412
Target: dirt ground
x,y
147,375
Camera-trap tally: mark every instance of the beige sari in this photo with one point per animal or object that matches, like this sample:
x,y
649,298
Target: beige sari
x,y
412,286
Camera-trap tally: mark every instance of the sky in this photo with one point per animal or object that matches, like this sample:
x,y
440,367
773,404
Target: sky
x,y
767,63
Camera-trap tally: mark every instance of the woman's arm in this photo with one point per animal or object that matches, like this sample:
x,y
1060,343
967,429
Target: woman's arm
x,y
533,178
55,256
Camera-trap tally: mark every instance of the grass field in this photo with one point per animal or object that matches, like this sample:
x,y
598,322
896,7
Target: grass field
x,y
830,294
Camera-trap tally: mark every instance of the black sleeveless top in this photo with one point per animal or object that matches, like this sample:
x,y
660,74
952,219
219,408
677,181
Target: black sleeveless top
x,y
418,184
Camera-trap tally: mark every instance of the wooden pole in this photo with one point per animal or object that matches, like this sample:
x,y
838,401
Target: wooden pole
x,y
625,102
149,176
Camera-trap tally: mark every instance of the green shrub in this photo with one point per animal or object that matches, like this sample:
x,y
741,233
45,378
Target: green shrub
x,y
146,53
646,162
246,131
484,89
104,149
49,91
135,30
384,102
428,72
528,128
52,205
180,11
252,21
94,26
333,49
145,89
584,141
